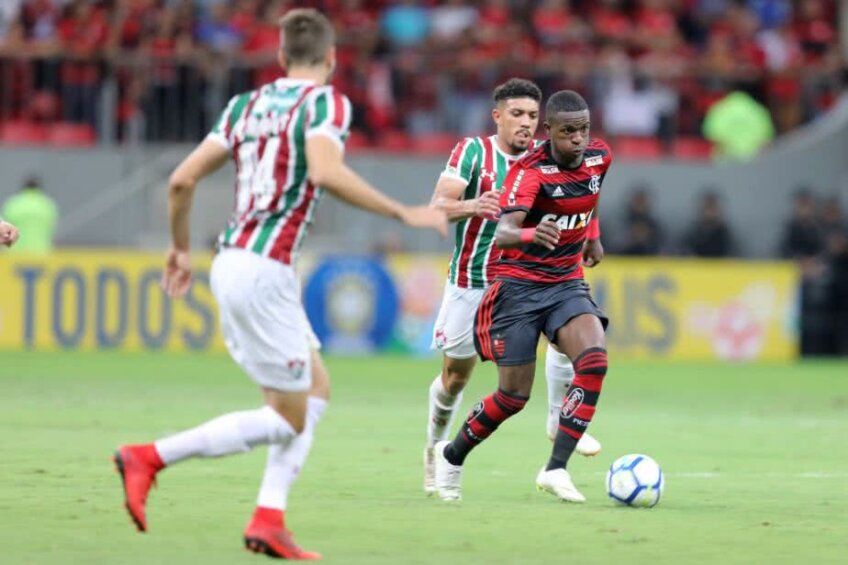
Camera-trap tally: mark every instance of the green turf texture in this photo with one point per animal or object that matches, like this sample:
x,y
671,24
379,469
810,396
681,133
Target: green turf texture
x,y
755,456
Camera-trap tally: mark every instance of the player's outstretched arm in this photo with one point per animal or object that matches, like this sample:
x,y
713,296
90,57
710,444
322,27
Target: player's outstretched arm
x,y
204,160
8,234
447,196
326,168
510,232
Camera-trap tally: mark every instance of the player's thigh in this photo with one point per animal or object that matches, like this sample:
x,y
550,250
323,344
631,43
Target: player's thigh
x,y
517,379
320,377
508,325
262,320
575,322
453,333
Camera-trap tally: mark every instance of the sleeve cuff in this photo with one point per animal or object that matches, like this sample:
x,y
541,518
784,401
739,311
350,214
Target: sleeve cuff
x,y
220,140
448,175
332,136
508,209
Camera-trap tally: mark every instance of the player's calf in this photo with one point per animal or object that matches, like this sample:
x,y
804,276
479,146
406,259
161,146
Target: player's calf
x,y
577,411
484,419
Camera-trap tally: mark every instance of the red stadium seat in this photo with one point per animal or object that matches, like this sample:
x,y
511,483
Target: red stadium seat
x,y
357,140
691,148
434,144
637,147
66,134
394,140
21,132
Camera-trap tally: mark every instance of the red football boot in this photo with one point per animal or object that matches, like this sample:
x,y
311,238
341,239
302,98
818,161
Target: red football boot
x,y
266,533
138,465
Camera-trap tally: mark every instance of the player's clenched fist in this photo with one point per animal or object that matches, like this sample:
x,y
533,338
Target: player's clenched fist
x,y
8,234
487,206
547,234
176,279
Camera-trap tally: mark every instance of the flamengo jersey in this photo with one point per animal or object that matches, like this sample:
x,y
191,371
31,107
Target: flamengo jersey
x,y
266,131
482,166
539,186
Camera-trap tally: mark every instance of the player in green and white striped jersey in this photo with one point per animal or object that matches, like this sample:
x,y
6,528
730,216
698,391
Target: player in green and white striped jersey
x,y
468,190
287,140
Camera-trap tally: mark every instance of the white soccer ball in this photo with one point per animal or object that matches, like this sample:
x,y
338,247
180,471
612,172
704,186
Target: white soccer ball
x,y
635,480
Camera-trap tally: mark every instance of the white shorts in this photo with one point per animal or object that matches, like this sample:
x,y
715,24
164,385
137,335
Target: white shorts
x,y
453,334
263,321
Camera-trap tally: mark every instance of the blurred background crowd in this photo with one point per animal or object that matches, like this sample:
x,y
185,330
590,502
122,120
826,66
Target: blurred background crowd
x,y
419,72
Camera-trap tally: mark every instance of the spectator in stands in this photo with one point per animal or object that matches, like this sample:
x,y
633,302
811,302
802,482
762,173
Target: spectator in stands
x,y
643,236
838,300
452,19
802,236
710,235
739,126
406,23
680,57
34,213
832,220
83,36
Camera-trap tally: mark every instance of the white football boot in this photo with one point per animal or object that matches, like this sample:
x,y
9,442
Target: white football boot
x,y
587,446
429,471
558,483
448,476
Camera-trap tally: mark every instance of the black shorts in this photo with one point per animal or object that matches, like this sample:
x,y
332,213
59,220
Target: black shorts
x,y
513,314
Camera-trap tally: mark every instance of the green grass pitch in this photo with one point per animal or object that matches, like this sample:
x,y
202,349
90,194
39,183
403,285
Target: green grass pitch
x,y
756,460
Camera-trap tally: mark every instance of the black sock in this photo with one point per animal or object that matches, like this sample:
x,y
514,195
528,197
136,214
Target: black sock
x,y
484,419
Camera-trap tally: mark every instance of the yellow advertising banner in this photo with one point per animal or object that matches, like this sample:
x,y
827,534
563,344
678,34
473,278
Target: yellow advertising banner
x,y
92,300
658,308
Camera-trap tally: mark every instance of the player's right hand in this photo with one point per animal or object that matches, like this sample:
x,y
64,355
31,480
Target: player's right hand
x,y
8,234
487,206
547,234
176,279
426,217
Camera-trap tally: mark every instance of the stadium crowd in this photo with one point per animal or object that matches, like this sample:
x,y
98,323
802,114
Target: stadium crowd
x,y
160,70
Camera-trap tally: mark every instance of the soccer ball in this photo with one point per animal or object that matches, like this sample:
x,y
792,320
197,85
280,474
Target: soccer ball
x,y
635,480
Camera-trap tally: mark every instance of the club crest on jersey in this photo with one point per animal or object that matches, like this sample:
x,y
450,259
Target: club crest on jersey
x,y
297,367
595,161
570,221
595,184
549,170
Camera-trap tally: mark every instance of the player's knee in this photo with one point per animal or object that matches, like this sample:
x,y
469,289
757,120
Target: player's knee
x,y
277,420
456,374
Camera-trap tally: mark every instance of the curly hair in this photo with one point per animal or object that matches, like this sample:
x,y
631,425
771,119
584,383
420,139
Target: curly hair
x,y
517,88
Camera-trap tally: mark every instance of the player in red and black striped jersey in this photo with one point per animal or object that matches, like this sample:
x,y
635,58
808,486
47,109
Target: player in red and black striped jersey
x,y
547,231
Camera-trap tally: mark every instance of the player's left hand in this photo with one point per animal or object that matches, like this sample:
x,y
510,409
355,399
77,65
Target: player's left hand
x,y
176,279
593,252
8,234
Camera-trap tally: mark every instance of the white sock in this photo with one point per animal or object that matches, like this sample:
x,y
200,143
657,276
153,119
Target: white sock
x,y
559,372
286,461
236,432
442,409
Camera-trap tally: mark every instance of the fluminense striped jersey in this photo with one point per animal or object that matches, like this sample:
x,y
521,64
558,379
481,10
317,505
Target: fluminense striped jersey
x,y
266,131
482,166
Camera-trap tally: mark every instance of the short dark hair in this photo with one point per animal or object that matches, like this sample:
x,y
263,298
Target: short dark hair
x,y
564,101
307,35
517,88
